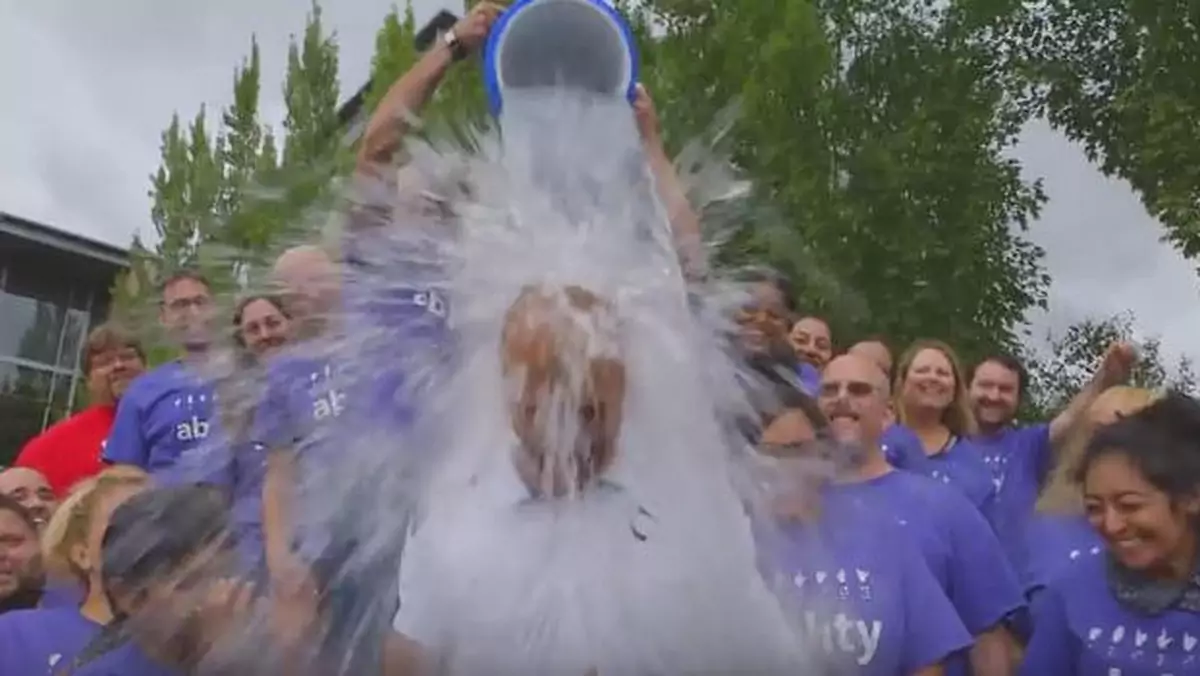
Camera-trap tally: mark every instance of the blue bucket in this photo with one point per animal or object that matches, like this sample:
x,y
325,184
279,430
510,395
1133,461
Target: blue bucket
x,y
571,44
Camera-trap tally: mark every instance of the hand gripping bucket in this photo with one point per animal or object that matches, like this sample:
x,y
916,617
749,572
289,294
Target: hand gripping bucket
x,y
566,44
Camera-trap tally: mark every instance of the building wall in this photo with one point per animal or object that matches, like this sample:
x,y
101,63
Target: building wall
x,y
49,300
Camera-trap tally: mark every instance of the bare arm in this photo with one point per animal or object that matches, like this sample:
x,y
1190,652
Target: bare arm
x,y
993,652
409,95
277,497
684,221
1113,370
403,656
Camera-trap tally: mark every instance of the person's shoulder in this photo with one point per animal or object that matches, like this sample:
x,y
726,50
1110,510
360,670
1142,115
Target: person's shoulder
x,y
1085,577
152,382
946,501
29,619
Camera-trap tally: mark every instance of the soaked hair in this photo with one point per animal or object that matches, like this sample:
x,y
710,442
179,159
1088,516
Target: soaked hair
x,y
109,336
781,283
958,417
1062,494
72,521
1162,441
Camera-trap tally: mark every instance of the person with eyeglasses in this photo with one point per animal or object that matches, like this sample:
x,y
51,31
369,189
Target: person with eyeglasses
x,y
167,415
70,451
856,587
955,541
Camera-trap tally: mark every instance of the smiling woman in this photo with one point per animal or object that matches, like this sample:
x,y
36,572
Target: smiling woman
x,y
1141,480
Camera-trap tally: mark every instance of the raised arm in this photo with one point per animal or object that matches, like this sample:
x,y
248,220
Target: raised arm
x,y
407,96
1114,369
685,223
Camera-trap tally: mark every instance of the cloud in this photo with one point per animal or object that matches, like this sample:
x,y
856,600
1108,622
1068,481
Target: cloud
x,y
90,86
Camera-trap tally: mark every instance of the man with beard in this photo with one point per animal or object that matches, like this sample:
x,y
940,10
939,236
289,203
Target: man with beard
x,y
21,576
70,451
1020,456
955,541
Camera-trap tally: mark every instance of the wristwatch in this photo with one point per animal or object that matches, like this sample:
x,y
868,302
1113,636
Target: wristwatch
x,y
458,51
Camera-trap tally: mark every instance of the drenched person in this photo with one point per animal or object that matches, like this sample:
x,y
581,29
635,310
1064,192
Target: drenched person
x,y
21,575
762,336
165,417
32,491
261,328
812,340
1135,610
165,564
1021,456
826,548
47,639
955,541
70,451
557,562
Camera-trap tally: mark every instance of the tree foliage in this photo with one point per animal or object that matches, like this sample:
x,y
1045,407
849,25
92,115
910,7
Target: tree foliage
x,y
877,132
1062,370
1119,76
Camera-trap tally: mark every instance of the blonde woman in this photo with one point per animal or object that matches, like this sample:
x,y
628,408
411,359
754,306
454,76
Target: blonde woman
x,y
1059,533
38,641
934,424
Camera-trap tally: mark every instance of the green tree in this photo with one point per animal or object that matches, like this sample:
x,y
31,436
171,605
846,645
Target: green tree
x,y
877,132
1061,371
458,106
224,200
1119,76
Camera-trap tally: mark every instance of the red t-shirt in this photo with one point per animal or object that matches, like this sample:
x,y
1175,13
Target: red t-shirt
x,y
69,452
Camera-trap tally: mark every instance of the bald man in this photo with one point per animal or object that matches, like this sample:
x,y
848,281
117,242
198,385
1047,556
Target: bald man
x,y
956,541
29,488
561,353
311,288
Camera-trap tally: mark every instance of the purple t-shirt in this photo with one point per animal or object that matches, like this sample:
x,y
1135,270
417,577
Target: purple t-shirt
x,y
1018,459
868,599
62,595
959,464
955,541
1051,544
43,642
1081,630
165,416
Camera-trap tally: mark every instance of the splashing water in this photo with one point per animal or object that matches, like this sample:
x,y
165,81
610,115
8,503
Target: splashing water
x,y
650,567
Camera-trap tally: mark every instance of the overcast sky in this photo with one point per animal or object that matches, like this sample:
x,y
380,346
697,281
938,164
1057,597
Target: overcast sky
x,y
89,86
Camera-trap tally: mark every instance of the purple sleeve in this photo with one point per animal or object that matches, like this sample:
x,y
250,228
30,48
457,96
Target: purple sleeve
x,y
933,630
982,586
271,427
1035,439
1053,646
126,445
899,445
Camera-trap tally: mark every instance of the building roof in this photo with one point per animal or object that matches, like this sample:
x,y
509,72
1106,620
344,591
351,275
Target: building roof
x,y
63,241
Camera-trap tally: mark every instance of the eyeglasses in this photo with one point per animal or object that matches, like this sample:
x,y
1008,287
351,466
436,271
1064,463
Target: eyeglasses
x,y
854,388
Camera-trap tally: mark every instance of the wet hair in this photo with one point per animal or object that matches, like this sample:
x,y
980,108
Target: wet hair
x,y
1162,441
72,521
109,336
150,536
958,417
1009,362
180,275
11,506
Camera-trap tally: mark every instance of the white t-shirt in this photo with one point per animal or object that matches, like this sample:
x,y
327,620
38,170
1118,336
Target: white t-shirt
x,y
552,587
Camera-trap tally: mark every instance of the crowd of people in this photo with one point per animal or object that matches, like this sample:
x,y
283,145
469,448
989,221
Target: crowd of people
x,y
941,536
